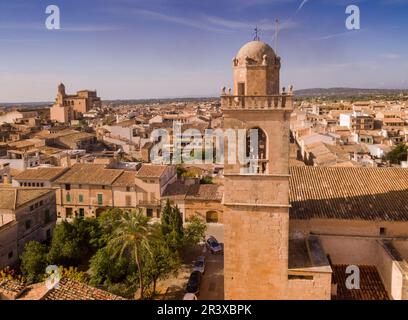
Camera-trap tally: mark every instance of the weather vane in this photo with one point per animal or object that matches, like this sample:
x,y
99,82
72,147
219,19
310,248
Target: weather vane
x,y
256,37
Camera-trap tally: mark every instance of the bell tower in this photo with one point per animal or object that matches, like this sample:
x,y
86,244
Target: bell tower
x,y
256,199
61,94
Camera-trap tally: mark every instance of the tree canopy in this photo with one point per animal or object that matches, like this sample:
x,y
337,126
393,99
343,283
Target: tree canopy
x,y
122,251
34,261
398,154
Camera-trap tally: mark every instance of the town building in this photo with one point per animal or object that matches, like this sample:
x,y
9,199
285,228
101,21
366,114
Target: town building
x,y
71,139
357,121
87,190
72,107
195,199
41,177
25,214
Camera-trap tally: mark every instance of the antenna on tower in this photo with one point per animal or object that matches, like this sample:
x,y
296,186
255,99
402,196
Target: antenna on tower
x,y
276,35
256,37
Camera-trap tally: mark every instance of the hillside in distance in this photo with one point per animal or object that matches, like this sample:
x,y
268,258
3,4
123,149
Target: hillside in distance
x,y
349,92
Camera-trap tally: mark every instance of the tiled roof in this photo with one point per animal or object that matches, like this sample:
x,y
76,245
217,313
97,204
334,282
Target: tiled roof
x,y
77,136
8,199
371,286
176,190
24,143
72,290
349,193
48,174
125,123
126,179
27,195
50,150
180,190
151,171
12,198
58,134
10,288
205,192
393,120
94,174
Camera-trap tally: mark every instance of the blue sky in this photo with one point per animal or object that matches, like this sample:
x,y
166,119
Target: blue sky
x,y
178,48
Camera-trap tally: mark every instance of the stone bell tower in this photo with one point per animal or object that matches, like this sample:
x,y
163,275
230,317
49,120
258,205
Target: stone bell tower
x,y
256,201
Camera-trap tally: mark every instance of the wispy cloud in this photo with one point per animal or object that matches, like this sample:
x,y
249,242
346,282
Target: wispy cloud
x,y
91,28
263,25
21,26
390,56
178,20
19,40
340,34
302,5
214,23
245,4
394,2
69,28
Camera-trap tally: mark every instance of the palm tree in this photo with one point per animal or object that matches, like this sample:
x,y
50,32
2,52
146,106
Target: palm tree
x,y
132,236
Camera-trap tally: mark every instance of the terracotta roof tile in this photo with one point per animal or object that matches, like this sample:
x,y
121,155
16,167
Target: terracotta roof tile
x,y
72,290
151,171
27,195
11,288
177,190
40,174
349,193
12,198
371,286
180,190
205,192
8,199
94,174
126,179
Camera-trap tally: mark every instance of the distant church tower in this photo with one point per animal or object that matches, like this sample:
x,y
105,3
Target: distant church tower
x,y
61,94
256,202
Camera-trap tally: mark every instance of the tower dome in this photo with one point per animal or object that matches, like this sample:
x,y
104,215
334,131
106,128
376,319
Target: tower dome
x,y
255,51
256,70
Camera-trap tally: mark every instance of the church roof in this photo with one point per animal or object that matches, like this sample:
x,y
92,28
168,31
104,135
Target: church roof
x,y
349,193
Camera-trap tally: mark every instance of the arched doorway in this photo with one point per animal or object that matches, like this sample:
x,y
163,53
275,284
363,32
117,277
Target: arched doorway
x,y
211,217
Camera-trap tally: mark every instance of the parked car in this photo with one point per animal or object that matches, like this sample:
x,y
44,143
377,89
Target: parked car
x,y
194,282
213,245
199,264
190,296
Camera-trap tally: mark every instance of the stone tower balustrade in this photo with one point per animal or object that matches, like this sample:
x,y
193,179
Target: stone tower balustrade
x,y
272,102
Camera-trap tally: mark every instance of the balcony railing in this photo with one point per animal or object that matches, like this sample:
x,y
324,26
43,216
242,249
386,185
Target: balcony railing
x,y
274,102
